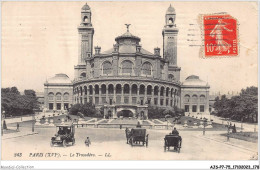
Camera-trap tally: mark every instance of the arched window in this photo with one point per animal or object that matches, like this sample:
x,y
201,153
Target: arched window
x,y
147,68
92,69
96,89
107,67
110,89
58,96
161,71
126,89
50,96
142,89
118,89
170,20
194,98
66,96
90,90
149,90
83,74
85,90
170,77
156,90
162,91
85,19
202,98
127,67
187,98
167,91
103,89
81,91
134,89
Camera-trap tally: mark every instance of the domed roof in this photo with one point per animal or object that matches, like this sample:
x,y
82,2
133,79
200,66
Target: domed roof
x,y
85,7
194,80
170,10
59,79
127,35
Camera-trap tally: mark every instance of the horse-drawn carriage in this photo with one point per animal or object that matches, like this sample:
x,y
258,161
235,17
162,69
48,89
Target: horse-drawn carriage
x,y
173,141
136,135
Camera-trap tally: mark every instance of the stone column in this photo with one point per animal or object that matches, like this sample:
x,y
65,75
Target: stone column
x,y
145,94
54,103
138,95
107,94
114,96
99,96
152,98
130,94
164,98
93,96
62,103
159,97
122,94
87,94
83,95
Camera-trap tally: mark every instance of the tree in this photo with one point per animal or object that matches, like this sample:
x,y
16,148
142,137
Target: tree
x,y
155,112
87,109
75,109
243,107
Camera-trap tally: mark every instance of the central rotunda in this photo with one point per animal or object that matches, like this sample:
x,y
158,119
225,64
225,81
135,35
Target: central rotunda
x,y
127,77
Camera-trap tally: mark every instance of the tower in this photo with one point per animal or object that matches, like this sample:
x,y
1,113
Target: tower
x,y
170,33
86,32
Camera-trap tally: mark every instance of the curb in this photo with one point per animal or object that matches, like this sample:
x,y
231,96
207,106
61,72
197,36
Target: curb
x,y
20,136
228,143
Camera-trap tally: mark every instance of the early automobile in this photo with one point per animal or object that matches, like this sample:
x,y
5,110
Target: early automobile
x,y
173,141
137,135
64,135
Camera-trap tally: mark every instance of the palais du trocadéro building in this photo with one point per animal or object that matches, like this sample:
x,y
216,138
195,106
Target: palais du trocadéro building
x,y
127,77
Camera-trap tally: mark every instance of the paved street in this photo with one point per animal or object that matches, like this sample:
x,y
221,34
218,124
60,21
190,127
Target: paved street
x,y
113,142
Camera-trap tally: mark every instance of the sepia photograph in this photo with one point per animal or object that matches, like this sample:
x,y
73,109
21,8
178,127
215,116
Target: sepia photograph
x,y
121,80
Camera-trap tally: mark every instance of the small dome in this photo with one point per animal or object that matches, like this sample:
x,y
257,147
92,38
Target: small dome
x,y
59,79
85,7
194,80
128,35
170,10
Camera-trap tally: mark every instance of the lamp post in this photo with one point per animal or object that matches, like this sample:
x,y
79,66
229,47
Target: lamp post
x,y
228,133
33,120
204,125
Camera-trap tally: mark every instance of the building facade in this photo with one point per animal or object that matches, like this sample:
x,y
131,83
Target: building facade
x,y
58,93
126,78
195,95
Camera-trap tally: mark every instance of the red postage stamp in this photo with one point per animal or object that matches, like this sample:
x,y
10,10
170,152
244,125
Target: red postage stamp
x,y
220,35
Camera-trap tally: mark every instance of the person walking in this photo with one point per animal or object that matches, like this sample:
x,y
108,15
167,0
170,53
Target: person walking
x,y
17,127
87,142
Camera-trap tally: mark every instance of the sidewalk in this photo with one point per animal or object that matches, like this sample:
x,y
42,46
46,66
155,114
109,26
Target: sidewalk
x,y
246,126
245,145
14,134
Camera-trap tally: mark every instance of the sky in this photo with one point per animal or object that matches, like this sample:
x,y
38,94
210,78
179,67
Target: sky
x,y
40,39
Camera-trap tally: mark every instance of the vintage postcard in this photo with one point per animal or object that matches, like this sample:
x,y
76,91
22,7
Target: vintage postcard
x,y
116,80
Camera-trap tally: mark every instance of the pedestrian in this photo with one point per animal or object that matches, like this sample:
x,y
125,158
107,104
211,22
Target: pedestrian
x,y
17,127
87,142
138,125
4,125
